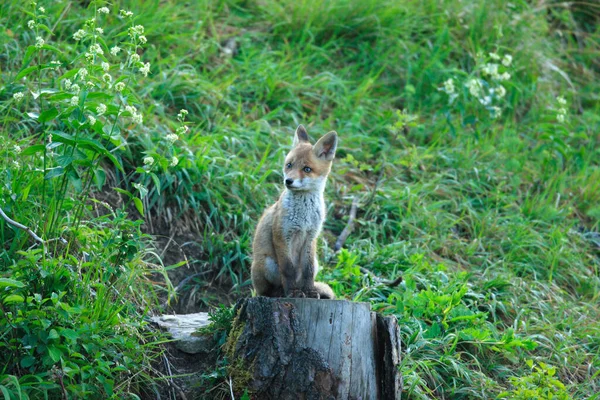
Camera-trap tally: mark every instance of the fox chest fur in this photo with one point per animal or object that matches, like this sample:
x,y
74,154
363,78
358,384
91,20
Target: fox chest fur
x,y
303,216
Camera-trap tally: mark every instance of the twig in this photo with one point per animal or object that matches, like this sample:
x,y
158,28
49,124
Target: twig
x,y
231,388
377,279
349,226
21,226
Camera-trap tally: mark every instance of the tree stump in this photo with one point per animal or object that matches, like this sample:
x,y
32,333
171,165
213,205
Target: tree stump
x,y
283,348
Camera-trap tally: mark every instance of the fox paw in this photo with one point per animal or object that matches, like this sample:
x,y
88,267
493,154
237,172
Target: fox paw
x,y
313,294
296,293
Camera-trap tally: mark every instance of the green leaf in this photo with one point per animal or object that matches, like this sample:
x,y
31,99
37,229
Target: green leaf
x,y
36,148
54,353
156,181
51,48
53,334
28,54
54,172
27,361
13,298
64,160
99,177
69,334
26,72
139,205
48,115
6,282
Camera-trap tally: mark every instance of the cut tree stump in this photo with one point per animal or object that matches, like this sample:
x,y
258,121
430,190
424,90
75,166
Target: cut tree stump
x,y
282,348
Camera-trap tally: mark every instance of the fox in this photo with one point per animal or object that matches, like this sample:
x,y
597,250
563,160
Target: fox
x,y
284,248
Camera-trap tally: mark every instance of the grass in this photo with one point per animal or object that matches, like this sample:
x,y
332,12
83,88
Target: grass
x,y
492,220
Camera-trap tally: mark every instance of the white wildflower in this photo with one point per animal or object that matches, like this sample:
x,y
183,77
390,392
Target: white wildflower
x,y
75,88
495,112
124,13
120,86
105,66
475,87
82,73
16,164
101,109
143,39
145,69
31,24
96,48
490,69
74,100
182,130
562,110
136,31
148,160
137,118
561,100
68,84
135,58
42,10
171,138
182,113
449,86
18,96
500,91
104,10
494,56
17,148
107,78
90,84
79,34
115,50
99,31
504,77
39,42
485,100
92,119
507,60
560,118
174,161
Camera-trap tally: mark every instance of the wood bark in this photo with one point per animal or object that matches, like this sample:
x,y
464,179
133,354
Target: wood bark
x,y
314,349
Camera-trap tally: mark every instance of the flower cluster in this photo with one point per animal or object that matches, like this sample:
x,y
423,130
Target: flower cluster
x,y
562,111
487,87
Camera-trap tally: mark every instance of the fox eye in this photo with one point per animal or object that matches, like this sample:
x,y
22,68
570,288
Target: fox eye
x,y
307,169
288,165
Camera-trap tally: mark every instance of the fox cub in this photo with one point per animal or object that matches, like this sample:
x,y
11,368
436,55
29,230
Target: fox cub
x,y
285,242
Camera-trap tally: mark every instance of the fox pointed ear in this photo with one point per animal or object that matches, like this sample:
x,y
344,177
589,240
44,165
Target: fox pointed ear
x,y
325,147
301,135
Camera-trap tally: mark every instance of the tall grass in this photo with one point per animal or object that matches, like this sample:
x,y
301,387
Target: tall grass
x,y
486,202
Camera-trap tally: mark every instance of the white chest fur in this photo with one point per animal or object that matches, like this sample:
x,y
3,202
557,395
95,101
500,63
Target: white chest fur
x,y
304,213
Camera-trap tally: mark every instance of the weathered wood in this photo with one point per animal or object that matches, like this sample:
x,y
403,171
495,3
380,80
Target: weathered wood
x,y
314,349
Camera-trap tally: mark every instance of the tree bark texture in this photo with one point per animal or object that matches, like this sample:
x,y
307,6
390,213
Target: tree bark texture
x,y
283,348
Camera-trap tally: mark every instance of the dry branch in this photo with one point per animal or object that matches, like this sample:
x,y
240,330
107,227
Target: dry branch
x,y
21,226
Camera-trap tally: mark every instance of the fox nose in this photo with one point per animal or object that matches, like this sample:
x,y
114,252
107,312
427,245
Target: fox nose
x,y
288,182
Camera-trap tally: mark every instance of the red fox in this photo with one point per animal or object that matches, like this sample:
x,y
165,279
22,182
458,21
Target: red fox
x,y
285,242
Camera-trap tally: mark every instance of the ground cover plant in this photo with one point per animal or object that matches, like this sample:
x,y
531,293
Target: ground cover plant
x,y
468,134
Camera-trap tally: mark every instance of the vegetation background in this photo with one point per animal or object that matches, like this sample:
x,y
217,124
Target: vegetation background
x,y
469,137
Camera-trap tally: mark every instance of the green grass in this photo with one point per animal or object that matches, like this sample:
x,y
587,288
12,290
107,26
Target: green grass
x,y
493,222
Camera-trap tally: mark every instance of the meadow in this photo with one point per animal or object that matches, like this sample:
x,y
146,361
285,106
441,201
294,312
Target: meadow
x,y
143,139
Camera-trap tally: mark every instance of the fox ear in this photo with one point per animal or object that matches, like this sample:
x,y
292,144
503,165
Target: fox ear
x,y
325,147
301,135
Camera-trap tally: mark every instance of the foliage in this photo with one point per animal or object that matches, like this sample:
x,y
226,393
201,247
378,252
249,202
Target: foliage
x,y
72,305
486,202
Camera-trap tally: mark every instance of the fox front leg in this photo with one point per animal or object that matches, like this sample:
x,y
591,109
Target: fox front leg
x,y
289,278
309,270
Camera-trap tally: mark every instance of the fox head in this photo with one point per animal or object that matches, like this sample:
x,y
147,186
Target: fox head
x,y
306,166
